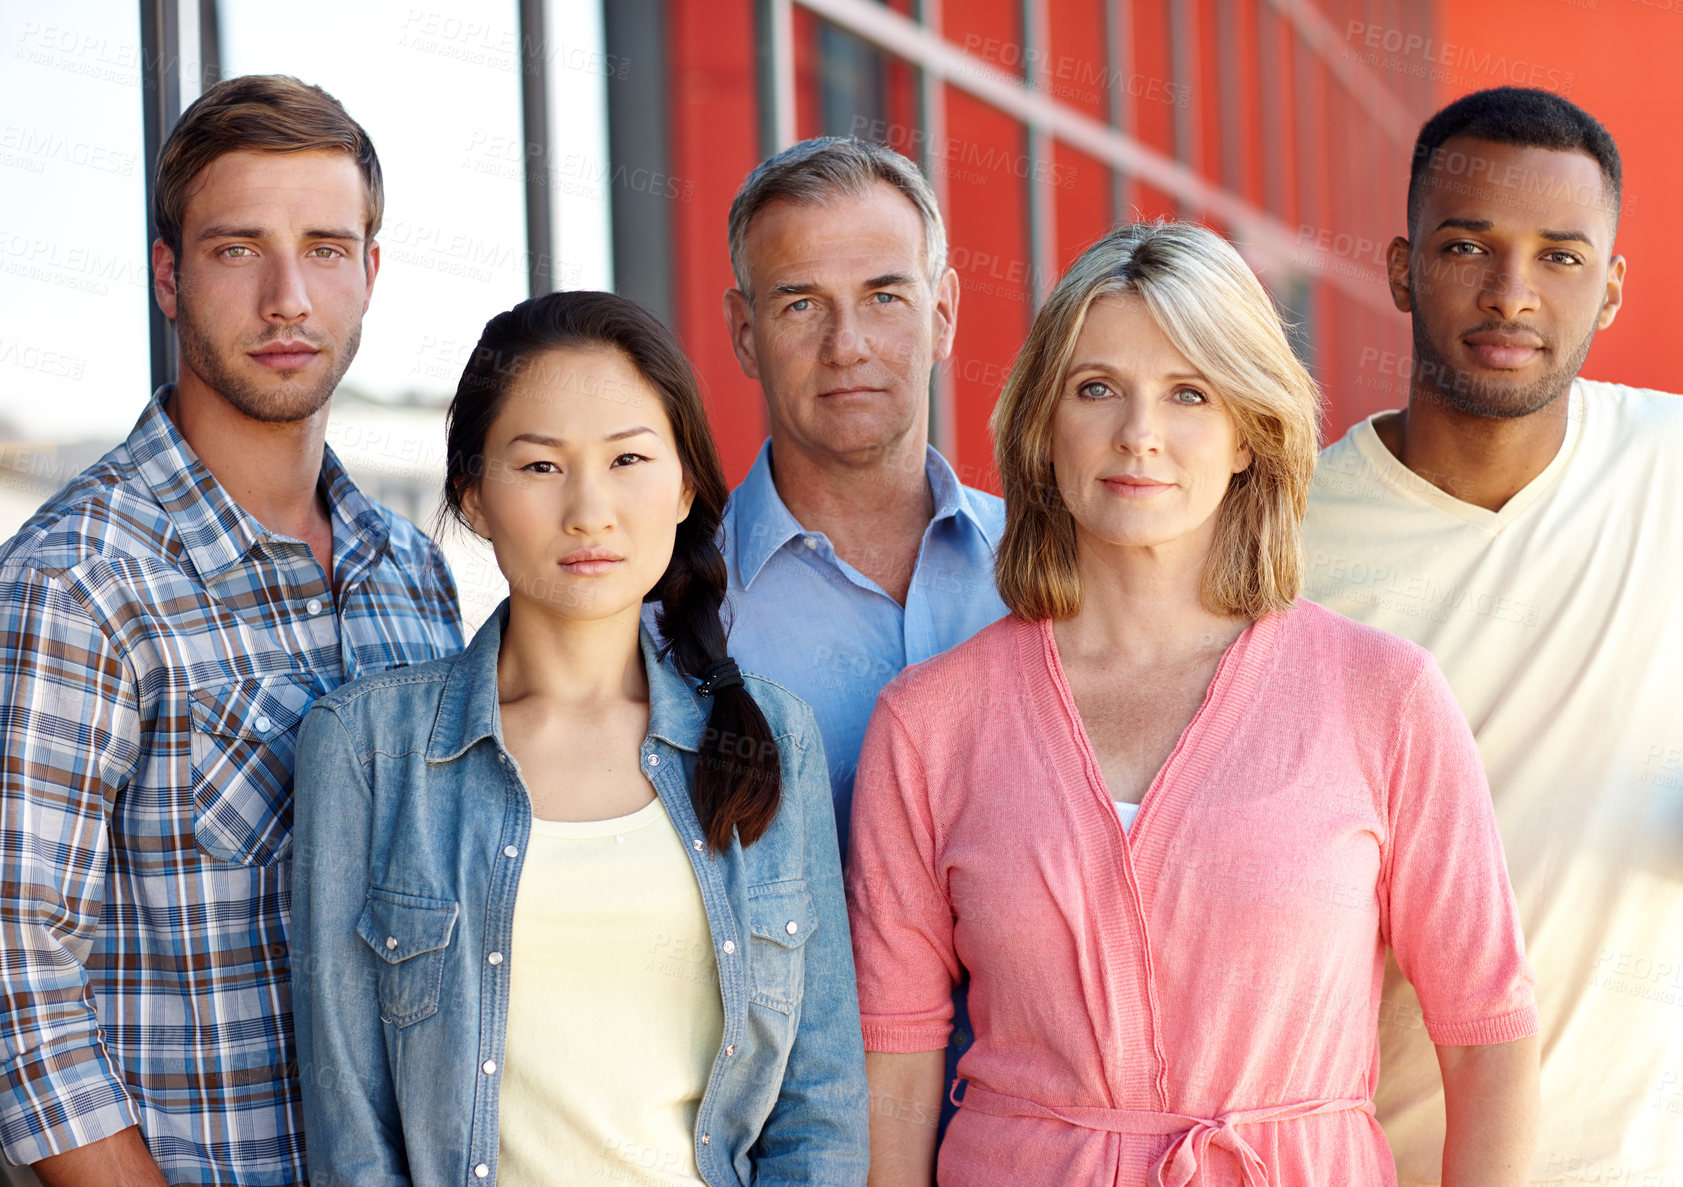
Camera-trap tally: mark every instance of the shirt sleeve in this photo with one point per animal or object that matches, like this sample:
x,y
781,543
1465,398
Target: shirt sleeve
x,y
69,743
1448,907
901,916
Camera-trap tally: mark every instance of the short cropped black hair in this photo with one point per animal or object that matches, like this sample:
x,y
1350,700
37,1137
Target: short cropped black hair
x,y
1520,116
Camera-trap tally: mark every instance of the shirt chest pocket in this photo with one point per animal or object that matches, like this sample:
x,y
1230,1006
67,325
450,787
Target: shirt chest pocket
x,y
780,919
410,935
243,738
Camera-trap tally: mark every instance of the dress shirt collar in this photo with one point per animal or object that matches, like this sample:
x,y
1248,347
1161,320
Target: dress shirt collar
x,y
468,709
762,524
216,531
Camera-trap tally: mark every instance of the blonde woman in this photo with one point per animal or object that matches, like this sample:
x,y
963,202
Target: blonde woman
x,y
1168,817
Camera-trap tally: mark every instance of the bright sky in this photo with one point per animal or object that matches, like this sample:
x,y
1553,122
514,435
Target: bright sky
x,y
437,87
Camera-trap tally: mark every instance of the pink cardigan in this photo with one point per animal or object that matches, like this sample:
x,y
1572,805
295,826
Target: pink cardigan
x,y
1196,999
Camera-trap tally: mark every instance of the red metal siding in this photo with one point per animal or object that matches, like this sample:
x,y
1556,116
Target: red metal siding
x,y
715,141
1619,61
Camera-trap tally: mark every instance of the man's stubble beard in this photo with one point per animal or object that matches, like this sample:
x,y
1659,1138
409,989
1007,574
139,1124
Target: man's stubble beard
x,y
1472,396
291,403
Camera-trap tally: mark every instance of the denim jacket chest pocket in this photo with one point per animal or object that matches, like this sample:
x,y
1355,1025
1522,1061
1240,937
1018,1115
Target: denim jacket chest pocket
x,y
409,934
242,742
780,919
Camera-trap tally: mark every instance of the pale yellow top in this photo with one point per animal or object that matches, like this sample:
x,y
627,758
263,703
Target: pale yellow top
x,y
614,1010
1557,622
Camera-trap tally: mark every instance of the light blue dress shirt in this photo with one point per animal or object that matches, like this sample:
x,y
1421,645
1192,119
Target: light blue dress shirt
x,y
805,618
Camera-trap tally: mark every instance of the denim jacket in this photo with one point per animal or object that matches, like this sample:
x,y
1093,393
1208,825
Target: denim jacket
x,y
412,822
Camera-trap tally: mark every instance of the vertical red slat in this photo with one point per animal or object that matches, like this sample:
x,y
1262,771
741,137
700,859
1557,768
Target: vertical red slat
x,y
808,75
1077,73
1153,92
714,142
987,164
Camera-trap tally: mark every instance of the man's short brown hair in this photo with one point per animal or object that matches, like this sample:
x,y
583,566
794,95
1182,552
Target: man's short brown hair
x,y
263,113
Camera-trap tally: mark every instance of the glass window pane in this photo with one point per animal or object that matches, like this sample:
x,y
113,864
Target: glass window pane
x,y
74,276
438,89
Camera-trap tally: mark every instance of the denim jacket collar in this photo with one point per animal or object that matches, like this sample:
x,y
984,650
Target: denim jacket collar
x,y
468,709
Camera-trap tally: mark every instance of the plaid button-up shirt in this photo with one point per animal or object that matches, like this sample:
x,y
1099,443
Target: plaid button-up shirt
x,y
158,649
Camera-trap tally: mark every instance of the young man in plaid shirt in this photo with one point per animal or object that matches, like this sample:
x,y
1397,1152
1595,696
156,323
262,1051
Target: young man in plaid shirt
x,y
165,621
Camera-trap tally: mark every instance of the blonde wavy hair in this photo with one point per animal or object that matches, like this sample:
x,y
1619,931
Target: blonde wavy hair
x,y
1211,306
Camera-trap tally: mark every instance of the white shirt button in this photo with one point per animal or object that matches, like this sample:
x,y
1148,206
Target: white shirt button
x,y
495,958
488,1067
654,760
731,1050
730,946
313,605
791,927
510,851
706,1138
262,723
696,842
480,1171
812,541
391,942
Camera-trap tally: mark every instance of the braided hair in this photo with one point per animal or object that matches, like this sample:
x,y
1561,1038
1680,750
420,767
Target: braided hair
x,y
738,783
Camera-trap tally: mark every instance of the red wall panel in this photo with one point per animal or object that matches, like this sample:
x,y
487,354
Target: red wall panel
x,y
1077,69
1082,200
1618,61
987,221
714,142
1151,93
987,164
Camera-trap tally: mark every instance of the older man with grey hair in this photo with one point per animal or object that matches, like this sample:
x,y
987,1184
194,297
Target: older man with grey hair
x,y
853,549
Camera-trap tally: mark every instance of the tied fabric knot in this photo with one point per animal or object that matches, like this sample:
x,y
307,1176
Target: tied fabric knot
x,y
1184,1162
1179,1165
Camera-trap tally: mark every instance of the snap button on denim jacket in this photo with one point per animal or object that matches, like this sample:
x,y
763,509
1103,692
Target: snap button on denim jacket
x,y
411,826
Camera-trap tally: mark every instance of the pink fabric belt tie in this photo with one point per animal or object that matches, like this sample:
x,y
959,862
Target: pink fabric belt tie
x,y
1197,1135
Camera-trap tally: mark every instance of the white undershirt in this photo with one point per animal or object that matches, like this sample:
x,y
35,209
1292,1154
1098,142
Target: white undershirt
x,y
1126,813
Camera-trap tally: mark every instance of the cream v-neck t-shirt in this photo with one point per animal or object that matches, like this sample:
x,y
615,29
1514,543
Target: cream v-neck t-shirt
x,y
1558,623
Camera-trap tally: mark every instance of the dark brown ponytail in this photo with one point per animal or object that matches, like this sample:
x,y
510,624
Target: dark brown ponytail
x,y
738,782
